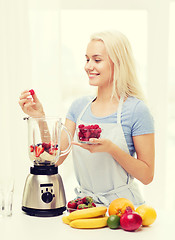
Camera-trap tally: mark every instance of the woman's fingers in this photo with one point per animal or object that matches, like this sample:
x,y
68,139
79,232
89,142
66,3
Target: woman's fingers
x,y
26,104
35,97
23,101
98,145
30,104
85,146
95,141
24,95
88,147
28,107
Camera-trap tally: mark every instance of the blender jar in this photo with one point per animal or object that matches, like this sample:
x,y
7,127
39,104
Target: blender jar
x,y
44,137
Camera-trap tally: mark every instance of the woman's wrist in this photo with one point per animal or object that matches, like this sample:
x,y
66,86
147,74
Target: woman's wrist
x,y
42,115
112,148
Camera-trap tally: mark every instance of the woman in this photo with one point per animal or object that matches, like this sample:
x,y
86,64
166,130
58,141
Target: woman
x,y
106,168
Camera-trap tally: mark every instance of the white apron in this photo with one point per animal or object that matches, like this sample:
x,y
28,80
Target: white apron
x,y
98,174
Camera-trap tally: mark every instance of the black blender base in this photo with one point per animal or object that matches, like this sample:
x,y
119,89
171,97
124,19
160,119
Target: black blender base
x,y
44,212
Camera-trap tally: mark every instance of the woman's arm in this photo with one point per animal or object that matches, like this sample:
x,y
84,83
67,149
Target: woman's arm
x,y
141,167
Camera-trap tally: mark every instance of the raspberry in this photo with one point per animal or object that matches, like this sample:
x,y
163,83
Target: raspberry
x,y
32,92
81,126
87,132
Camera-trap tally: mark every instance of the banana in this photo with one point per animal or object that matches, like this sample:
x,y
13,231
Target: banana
x,y
65,220
87,213
97,222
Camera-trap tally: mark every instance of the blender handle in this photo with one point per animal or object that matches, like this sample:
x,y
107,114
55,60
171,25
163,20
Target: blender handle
x,y
67,150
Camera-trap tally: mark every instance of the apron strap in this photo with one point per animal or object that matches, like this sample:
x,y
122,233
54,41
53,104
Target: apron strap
x,y
84,109
119,111
100,197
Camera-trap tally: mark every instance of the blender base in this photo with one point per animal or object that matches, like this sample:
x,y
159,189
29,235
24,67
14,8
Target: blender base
x,y
44,212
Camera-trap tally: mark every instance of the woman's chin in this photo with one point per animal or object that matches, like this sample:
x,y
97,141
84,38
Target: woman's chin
x,y
93,83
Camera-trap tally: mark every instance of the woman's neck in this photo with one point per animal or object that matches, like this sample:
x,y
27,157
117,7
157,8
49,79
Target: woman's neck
x,y
104,105
105,95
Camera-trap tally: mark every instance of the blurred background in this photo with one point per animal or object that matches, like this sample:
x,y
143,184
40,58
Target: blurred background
x,y
43,45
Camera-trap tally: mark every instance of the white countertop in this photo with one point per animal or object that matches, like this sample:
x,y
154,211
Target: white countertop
x,y
21,226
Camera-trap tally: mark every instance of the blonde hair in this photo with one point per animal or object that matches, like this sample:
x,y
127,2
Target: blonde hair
x,y
125,81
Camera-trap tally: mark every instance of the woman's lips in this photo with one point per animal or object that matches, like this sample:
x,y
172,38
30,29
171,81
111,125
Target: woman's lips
x,y
92,75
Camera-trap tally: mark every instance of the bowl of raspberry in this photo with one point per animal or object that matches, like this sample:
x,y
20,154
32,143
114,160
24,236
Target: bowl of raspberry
x,y
84,133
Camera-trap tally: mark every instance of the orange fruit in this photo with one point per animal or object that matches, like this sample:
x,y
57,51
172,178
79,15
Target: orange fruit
x,y
119,205
147,213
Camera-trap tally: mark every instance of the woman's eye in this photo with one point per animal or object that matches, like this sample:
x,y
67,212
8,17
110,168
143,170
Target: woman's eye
x,y
97,60
87,60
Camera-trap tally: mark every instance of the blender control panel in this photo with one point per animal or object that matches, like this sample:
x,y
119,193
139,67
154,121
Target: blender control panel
x,y
47,193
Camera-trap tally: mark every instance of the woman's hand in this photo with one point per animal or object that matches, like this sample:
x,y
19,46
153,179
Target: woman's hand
x,y
31,105
99,145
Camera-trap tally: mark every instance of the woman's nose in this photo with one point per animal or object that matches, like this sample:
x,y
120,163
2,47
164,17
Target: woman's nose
x,y
89,65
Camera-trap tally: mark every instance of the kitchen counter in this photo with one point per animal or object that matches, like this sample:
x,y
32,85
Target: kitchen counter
x,y
22,226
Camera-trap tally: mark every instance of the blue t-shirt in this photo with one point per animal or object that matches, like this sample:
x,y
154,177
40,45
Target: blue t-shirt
x,y
136,118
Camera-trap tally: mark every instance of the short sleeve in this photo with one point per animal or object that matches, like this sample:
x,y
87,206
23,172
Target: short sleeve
x,y
76,108
71,113
142,120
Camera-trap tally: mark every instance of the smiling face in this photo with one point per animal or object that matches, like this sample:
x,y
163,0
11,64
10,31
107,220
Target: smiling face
x,y
99,66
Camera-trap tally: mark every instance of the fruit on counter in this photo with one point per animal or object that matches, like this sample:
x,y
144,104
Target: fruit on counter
x,y
87,200
130,220
66,220
147,213
32,92
82,206
119,205
80,203
91,204
113,221
72,204
87,218
89,131
96,222
88,213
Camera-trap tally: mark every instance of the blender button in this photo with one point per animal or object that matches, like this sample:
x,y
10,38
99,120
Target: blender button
x,y
53,195
47,197
46,189
41,191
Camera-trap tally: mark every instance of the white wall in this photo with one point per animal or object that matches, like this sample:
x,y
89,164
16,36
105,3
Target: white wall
x,y
33,54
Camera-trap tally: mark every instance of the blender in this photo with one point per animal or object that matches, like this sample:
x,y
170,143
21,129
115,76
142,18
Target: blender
x,y
44,193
